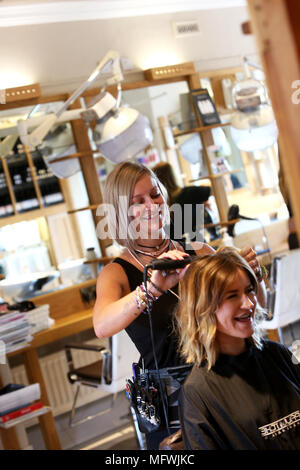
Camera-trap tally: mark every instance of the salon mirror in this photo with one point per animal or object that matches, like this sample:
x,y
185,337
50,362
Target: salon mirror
x,y
59,142
172,101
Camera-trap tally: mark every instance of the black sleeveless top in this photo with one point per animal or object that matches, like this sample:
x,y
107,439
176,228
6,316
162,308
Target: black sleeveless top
x,y
165,341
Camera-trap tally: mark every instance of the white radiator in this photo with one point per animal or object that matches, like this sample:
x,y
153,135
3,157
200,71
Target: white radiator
x,y
60,392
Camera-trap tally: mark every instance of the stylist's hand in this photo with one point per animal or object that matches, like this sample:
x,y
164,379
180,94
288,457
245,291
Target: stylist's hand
x,y
250,256
167,279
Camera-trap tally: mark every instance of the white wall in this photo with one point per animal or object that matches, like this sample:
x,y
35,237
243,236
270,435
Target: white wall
x,y
61,55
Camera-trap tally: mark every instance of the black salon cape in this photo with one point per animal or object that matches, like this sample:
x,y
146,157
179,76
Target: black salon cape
x,y
245,402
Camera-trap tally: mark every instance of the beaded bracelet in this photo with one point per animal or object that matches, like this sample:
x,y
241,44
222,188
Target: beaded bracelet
x,y
153,297
140,298
141,304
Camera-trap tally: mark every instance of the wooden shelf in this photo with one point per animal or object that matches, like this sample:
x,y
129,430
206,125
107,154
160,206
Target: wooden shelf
x,y
26,417
104,260
27,163
86,153
200,129
222,224
33,214
91,207
217,175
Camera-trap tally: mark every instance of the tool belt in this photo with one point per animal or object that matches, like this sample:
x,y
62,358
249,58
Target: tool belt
x,y
150,389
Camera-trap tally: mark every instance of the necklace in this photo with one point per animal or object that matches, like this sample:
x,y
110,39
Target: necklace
x,y
143,266
153,254
157,246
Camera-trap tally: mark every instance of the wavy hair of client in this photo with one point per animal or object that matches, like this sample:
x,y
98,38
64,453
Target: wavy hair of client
x,y
201,291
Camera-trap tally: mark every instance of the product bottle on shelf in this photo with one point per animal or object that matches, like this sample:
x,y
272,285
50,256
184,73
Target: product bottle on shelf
x,y
91,255
226,239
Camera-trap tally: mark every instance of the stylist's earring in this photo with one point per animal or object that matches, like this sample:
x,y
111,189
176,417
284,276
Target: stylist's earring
x,y
163,273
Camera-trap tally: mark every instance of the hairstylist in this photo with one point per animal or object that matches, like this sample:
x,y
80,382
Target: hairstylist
x,y
137,209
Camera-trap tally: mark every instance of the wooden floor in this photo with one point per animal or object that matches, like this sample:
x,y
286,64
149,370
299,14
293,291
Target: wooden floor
x,y
109,430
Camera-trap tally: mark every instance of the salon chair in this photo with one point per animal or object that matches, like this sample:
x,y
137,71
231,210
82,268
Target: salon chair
x,y
108,373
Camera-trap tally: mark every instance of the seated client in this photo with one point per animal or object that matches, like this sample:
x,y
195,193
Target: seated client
x,y
243,392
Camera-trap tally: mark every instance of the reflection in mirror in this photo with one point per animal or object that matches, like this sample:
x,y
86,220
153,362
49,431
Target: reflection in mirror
x,y
223,154
10,117
19,191
156,101
24,248
152,102
59,142
251,179
39,244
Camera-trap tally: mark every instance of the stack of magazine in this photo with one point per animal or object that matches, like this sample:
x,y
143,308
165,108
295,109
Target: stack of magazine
x,y
15,330
18,402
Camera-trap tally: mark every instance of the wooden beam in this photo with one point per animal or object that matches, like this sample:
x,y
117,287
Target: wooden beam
x,y
75,155
17,94
206,137
47,421
89,170
34,214
9,438
9,184
33,176
34,101
276,28
216,84
170,71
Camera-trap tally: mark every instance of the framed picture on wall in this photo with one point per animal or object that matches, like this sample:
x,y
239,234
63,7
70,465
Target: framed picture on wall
x,y
204,107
